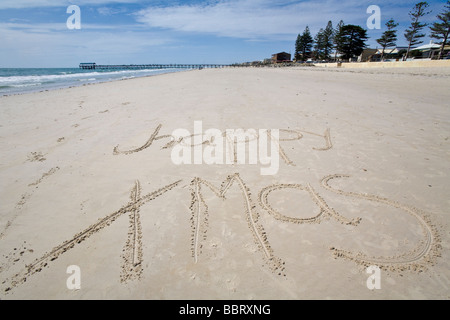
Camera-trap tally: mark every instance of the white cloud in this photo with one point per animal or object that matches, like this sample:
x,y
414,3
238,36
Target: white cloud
x,y
274,19
52,44
251,19
21,4
108,11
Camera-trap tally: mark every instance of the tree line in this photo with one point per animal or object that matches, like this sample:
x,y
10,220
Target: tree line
x,y
350,40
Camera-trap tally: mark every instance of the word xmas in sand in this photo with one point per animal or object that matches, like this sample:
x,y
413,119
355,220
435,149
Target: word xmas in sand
x,y
423,255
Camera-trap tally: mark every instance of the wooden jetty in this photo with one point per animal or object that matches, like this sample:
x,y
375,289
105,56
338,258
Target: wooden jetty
x,y
94,66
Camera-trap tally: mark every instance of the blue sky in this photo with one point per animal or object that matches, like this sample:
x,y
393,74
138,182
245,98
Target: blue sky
x,y
33,33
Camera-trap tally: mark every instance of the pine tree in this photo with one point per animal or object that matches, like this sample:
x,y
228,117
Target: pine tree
x,y
351,41
441,30
304,44
389,37
413,34
319,45
328,38
298,47
337,40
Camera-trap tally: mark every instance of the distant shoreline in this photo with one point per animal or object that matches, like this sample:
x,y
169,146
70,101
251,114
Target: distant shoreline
x,y
431,68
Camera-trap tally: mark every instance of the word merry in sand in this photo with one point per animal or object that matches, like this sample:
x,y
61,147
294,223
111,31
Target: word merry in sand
x,y
417,259
230,147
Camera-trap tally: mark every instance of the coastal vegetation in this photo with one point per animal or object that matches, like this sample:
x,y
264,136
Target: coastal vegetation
x,y
346,42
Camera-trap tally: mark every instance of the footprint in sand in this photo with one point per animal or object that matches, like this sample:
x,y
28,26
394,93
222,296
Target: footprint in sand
x,y
14,256
36,156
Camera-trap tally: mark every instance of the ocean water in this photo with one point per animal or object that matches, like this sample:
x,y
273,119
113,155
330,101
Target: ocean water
x,y
24,80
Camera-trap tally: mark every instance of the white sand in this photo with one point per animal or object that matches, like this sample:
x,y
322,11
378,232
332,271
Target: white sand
x,y
287,236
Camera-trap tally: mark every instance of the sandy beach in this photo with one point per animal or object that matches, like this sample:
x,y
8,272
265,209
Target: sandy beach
x,y
87,180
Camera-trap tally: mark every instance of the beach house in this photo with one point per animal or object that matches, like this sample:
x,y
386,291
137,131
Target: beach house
x,y
281,57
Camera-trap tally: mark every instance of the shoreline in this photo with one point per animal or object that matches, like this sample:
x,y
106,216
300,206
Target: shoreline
x,y
407,71
69,86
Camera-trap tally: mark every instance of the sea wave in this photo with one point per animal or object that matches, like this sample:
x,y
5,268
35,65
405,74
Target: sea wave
x,y
59,77
24,85
13,81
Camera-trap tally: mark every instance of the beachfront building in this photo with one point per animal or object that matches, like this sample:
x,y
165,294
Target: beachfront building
x,y
430,51
390,54
367,55
281,57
